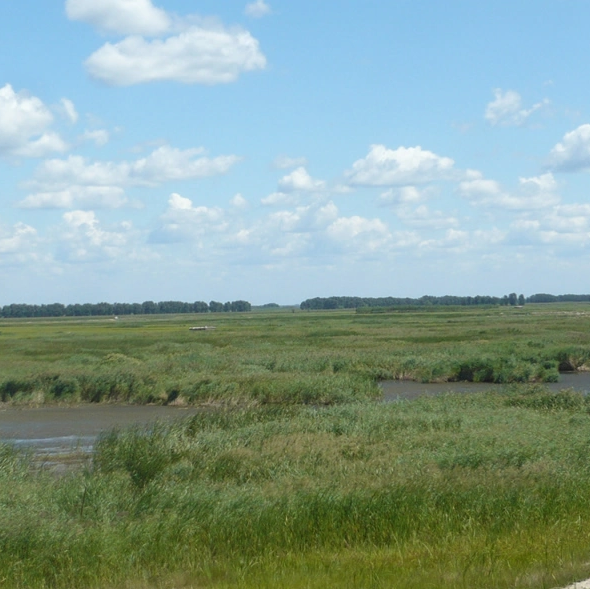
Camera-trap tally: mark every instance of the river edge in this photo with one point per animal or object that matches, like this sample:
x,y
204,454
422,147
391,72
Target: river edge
x,y
58,431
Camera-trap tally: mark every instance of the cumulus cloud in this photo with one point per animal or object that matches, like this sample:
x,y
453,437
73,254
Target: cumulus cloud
x,y
257,9
198,55
163,164
299,180
80,197
25,126
303,219
404,195
399,167
126,17
360,234
17,240
562,225
82,239
183,221
459,241
572,154
537,192
168,163
506,109
278,198
77,181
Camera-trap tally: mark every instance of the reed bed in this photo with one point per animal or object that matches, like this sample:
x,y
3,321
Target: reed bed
x,y
293,473
455,491
266,358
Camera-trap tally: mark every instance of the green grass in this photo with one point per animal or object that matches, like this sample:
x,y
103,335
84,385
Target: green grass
x,y
452,491
293,473
318,357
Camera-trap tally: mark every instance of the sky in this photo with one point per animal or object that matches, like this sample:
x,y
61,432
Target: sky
x,y
275,151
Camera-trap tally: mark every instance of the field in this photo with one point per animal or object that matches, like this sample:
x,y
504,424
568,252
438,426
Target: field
x,y
294,473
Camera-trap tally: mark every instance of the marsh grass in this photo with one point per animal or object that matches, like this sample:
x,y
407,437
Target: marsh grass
x,y
446,492
292,474
265,358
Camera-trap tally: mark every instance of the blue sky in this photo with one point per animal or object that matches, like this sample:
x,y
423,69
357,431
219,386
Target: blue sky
x,y
275,151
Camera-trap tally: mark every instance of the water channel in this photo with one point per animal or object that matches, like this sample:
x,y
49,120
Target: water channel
x,y
54,433
65,435
394,390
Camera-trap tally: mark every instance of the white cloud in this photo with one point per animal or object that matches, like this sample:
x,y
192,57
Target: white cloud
x,y
198,55
300,181
182,221
403,166
168,163
69,110
99,136
563,225
25,126
360,234
537,192
573,153
284,162
422,216
82,239
239,202
76,181
163,164
459,241
404,195
126,17
17,240
257,9
506,109
278,198
80,197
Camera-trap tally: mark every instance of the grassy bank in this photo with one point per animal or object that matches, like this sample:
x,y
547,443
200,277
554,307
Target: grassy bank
x,y
268,358
456,491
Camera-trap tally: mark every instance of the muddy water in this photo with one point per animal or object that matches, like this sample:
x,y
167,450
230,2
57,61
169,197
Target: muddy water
x,y
403,389
56,432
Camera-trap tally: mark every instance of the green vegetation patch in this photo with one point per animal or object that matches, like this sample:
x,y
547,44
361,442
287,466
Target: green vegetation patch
x,y
463,490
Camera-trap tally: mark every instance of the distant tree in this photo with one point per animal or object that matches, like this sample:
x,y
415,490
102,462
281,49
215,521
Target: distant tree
x,y
241,306
149,308
512,299
215,307
200,307
521,300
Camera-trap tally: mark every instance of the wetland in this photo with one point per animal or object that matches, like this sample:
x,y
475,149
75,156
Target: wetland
x,y
285,468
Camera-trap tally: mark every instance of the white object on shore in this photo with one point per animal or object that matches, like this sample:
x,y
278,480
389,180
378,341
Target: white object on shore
x,y
203,328
581,585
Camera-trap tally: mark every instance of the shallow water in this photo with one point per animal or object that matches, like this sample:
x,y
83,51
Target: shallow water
x,y
52,433
405,389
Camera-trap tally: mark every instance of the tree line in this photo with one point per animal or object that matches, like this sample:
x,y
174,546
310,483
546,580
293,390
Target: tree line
x,y
102,309
447,300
